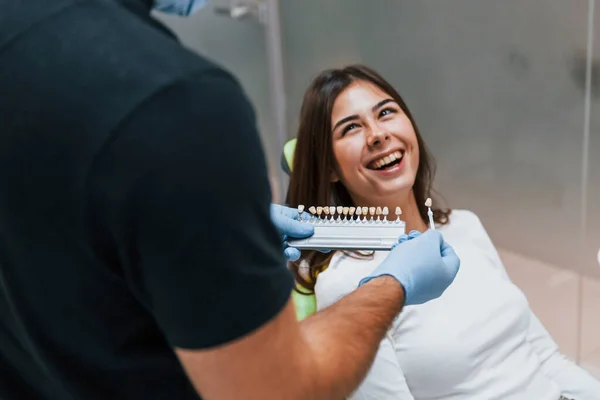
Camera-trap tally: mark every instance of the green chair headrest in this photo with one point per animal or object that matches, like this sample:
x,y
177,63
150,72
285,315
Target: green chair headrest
x,y
287,158
305,305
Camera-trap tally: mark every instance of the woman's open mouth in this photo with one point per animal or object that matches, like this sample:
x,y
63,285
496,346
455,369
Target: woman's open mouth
x,y
387,162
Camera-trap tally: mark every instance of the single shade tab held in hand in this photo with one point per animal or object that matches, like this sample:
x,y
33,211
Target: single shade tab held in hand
x,y
428,204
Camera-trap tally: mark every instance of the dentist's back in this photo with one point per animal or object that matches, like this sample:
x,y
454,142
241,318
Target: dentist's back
x,y
103,117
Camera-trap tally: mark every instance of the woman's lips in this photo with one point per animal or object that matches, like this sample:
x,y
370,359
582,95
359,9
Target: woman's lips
x,y
391,171
386,160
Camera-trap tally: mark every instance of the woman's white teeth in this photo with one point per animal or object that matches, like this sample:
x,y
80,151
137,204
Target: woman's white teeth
x,y
387,160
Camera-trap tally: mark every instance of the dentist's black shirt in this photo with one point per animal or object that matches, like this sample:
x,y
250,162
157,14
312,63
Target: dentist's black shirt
x,y
134,205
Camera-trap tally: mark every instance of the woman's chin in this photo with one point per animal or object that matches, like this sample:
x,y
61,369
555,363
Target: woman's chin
x,y
399,186
397,192
383,192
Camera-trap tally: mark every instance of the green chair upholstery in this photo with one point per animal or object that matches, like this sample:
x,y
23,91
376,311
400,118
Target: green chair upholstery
x,y
305,304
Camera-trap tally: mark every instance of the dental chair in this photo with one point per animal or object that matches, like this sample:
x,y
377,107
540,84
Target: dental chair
x,y
305,304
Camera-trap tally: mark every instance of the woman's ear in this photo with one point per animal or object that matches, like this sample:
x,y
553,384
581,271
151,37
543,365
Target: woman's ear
x,y
334,177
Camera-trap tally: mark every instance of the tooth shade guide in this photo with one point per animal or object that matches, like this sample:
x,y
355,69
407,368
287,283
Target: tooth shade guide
x,y
351,233
365,212
364,215
300,211
430,214
398,212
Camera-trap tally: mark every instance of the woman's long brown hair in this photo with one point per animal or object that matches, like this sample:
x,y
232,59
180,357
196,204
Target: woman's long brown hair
x,y
314,159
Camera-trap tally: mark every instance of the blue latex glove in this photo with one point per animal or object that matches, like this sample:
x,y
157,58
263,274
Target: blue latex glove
x,y
285,220
424,264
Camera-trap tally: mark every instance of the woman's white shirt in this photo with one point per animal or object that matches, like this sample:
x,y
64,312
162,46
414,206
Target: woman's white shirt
x,y
479,340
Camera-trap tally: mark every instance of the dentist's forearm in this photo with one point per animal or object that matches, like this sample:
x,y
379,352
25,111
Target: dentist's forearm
x,y
343,339
324,357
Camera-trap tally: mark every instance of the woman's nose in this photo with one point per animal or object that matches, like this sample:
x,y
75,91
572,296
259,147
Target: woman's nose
x,y
377,138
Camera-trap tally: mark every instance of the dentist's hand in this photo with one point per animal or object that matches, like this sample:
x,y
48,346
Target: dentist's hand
x,y
424,264
285,219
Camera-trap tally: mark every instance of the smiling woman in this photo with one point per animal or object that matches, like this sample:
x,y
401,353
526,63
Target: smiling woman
x,y
357,132
358,145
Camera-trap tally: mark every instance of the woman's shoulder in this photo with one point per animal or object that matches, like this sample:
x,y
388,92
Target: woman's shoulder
x,y
466,233
462,216
462,220
464,227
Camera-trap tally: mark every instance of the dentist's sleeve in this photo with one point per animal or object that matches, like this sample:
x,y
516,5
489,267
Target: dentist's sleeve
x,y
574,381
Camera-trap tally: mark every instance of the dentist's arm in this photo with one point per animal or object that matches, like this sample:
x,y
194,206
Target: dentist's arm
x,y
327,355
324,357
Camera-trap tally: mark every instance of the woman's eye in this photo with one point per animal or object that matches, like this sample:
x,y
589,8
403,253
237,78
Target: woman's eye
x,y
348,128
386,111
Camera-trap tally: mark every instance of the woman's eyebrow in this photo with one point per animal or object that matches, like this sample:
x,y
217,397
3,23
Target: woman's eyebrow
x,y
344,120
354,117
381,104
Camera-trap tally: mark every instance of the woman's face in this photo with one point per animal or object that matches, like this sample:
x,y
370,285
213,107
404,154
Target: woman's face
x,y
374,144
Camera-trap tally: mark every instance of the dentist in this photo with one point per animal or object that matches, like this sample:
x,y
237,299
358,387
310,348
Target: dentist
x,y
138,258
